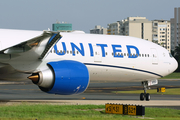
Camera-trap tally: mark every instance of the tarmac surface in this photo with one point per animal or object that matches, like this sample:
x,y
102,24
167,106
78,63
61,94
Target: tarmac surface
x,y
97,93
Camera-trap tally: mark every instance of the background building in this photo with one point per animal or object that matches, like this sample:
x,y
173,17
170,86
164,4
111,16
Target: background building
x,y
175,28
161,33
62,27
98,30
113,28
139,27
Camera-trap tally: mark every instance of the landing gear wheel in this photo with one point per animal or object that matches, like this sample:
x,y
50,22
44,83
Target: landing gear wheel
x,y
148,97
145,96
142,96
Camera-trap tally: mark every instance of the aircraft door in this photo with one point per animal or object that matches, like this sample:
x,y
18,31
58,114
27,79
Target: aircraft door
x,y
154,56
97,54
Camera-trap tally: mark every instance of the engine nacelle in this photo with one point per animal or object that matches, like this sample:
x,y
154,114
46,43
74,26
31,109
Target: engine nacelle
x,y
64,77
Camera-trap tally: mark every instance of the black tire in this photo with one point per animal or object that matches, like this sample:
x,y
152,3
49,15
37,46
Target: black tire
x,y
142,96
148,97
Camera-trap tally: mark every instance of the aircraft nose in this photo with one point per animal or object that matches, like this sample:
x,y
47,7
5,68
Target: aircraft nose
x,y
174,65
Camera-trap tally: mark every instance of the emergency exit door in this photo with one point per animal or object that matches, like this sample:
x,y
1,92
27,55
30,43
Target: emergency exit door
x,y
97,54
154,56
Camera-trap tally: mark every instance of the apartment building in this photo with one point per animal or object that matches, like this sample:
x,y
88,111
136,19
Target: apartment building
x,y
98,30
161,33
113,28
175,28
139,27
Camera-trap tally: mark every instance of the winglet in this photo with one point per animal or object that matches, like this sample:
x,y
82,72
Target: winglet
x,y
52,41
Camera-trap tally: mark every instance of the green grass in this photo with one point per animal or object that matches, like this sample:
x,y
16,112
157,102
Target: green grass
x,y
169,91
162,113
175,75
76,112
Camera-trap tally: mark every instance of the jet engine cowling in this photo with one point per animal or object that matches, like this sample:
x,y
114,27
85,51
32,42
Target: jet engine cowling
x,y
64,77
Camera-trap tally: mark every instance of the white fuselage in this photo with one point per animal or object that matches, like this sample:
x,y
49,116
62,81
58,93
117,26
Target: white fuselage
x,y
97,53
107,57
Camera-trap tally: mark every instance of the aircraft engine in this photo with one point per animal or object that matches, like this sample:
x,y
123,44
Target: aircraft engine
x,y
64,77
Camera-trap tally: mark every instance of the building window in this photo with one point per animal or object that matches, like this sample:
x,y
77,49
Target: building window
x,y
142,29
155,24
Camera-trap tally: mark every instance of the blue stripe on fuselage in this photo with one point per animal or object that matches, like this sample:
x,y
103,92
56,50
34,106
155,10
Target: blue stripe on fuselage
x,y
112,66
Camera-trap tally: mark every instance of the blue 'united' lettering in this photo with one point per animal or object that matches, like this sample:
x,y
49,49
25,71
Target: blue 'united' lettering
x,y
116,49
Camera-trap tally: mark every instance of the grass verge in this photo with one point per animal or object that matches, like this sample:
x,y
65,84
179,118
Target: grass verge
x,y
76,112
175,75
169,91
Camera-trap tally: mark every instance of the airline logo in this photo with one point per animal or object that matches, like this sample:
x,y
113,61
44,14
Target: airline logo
x,y
116,49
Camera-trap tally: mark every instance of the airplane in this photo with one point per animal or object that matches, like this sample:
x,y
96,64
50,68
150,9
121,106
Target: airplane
x,y
65,63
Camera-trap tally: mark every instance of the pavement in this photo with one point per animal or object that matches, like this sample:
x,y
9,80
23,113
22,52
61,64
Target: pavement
x,y
97,93
157,103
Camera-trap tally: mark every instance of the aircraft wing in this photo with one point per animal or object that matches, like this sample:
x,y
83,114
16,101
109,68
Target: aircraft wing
x,y
29,53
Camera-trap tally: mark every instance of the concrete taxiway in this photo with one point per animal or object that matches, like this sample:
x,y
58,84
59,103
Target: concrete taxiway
x,y
97,93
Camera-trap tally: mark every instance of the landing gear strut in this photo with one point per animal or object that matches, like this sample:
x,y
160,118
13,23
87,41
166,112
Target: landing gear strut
x,y
145,95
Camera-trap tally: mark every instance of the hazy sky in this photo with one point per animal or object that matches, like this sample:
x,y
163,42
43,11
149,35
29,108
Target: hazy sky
x,y
83,14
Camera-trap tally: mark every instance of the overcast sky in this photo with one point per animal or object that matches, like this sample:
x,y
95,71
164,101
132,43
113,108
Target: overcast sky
x,y
83,14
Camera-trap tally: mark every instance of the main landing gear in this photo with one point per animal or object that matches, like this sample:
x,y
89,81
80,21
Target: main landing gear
x,y
146,85
145,95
